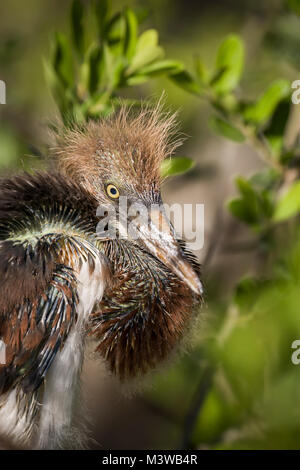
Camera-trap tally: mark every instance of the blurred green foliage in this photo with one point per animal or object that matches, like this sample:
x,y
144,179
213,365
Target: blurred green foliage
x,y
86,74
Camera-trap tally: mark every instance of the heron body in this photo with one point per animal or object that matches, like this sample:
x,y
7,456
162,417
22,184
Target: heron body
x,y
60,282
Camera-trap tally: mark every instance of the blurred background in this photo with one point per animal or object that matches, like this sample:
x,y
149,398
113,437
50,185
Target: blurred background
x,y
233,385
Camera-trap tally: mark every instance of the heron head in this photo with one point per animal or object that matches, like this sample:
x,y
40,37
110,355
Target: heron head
x,y
118,160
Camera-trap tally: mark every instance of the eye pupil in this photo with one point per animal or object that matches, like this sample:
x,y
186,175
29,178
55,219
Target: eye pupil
x,y
113,191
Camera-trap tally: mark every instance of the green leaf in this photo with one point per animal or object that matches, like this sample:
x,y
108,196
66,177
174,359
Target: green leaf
x,y
62,60
176,166
184,80
148,38
275,131
157,68
267,178
147,51
229,64
241,210
57,89
161,67
246,189
119,67
136,80
77,11
113,67
201,71
101,8
225,129
289,204
146,57
94,59
294,5
113,30
131,27
263,109
251,207
259,203
108,59
266,204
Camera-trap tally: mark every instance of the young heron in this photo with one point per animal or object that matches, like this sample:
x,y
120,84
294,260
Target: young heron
x,y
61,281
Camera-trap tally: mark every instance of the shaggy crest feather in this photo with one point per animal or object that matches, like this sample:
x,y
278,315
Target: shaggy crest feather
x,y
127,145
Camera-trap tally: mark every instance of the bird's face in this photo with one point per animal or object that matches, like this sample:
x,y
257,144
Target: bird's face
x,y
140,217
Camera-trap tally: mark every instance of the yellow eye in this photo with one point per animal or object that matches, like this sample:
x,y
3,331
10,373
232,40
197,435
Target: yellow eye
x,y
112,191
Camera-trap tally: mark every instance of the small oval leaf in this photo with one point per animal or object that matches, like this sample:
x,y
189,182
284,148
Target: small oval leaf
x,y
162,67
225,129
264,108
289,204
229,64
77,12
176,166
131,27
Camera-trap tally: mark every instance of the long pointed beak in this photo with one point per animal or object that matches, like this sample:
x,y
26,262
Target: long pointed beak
x,y
160,240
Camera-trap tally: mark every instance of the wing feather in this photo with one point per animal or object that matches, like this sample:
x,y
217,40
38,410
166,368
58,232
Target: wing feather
x,y
47,229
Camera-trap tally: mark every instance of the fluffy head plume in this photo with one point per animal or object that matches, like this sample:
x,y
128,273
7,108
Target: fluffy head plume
x,y
126,148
